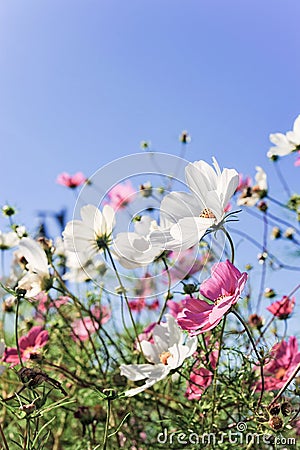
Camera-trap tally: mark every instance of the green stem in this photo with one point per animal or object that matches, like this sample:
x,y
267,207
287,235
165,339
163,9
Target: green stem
x,y
256,353
16,331
106,424
230,243
286,384
216,371
168,292
125,296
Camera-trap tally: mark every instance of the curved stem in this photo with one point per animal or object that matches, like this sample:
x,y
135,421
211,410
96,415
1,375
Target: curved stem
x,y
256,353
230,243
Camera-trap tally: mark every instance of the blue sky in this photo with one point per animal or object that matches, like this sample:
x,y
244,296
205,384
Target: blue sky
x,y
83,82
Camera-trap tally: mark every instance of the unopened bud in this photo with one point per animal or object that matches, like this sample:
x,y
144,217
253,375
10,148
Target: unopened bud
x,y
289,233
276,233
269,293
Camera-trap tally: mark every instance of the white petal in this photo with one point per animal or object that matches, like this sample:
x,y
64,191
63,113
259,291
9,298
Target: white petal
x,y
34,254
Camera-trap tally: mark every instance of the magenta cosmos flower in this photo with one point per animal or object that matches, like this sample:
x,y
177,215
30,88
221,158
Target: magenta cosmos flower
x,y
284,357
282,308
29,346
223,288
71,181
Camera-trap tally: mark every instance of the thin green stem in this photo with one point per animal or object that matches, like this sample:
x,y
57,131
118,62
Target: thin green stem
x,y
286,384
168,292
16,331
256,353
215,377
230,243
125,297
106,424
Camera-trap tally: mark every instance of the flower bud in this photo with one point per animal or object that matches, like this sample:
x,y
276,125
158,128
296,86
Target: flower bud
x,y
255,321
8,211
269,293
276,233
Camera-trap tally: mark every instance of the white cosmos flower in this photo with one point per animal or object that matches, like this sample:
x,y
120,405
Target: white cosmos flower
x,y
147,242
285,144
192,214
8,240
80,268
91,234
170,348
37,278
251,196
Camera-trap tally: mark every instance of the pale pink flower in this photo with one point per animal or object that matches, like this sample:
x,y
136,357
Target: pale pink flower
x,y
244,183
44,304
282,308
29,345
185,264
71,181
223,289
83,328
297,162
200,379
121,195
284,357
175,307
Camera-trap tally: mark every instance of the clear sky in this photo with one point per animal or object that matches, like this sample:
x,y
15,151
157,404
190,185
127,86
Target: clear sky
x,y
83,82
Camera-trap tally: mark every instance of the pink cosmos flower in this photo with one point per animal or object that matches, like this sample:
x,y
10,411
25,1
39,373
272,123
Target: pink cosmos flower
x,y
297,162
44,304
71,181
186,263
223,289
284,357
146,335
121,195
244,183
83,328
282,308
29,346
175,307
137,305
201,377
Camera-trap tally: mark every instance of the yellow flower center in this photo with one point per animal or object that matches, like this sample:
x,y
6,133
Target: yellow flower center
x,y
207,214
280,373
164,357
